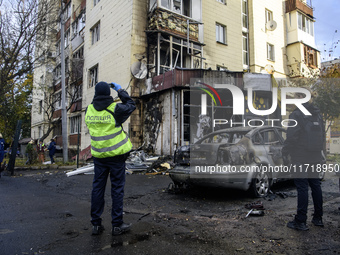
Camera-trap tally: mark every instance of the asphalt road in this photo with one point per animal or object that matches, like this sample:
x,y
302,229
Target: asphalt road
x,y
45,212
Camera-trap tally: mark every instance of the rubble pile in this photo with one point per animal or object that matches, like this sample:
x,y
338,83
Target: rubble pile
x,y
139,161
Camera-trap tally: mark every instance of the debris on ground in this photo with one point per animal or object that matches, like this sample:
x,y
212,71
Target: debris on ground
x,y
256,209
139,161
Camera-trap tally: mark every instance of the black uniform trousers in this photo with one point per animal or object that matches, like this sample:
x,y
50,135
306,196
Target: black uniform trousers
x,y
116,170
305,178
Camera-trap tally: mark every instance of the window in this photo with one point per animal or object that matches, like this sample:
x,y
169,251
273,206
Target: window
x,y
79,53
93,76
270,137
75,28
67,12
245,49
269,16
220,33
58,48
165,3
310,56
95,2
183,7
66,66
222,1
57,101
270,52
245,13
40,106
58,71
305,24
95,31
67,38
77,92
75,124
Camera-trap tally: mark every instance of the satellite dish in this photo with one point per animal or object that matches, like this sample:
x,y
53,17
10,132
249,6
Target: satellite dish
x,y
271,25
139,70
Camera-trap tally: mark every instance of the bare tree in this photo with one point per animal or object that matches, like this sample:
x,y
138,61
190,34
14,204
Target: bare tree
x,y
52,100
24,26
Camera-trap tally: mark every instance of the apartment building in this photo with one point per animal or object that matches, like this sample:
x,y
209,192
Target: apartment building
x,y
157,49
47,98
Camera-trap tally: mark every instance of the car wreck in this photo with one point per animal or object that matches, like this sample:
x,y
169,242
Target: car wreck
x,y
239,157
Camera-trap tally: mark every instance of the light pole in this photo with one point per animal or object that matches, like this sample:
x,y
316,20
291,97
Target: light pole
x,y
63,89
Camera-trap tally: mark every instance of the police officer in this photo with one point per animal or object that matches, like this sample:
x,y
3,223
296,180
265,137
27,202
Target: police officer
x,y
110,147
304,144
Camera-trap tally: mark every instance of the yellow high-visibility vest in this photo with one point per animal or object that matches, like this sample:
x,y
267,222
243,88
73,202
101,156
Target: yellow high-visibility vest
x,y
107,140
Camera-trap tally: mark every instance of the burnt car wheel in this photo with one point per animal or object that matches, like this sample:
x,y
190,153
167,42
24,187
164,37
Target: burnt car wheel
x,y
260,184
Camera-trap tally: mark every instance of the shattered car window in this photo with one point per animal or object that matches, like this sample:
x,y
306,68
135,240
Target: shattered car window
x,y
218,138
257,139
237,137
270,137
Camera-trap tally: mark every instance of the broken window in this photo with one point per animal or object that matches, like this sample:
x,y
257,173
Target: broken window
x,y
189,8
95,32
93,76
310,56
173,52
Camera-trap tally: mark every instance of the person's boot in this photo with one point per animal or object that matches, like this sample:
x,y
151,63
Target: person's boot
x,y
297,225
318,222
121,229
97,230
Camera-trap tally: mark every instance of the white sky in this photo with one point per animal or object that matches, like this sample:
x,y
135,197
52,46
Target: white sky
x,y
327,21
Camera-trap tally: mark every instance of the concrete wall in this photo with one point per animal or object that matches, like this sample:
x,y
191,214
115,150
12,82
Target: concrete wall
x,y
259,36
228,55
122,42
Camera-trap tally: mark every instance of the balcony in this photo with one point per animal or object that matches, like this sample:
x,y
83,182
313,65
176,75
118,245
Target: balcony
x,y
172,23
300,5
79,10
181,77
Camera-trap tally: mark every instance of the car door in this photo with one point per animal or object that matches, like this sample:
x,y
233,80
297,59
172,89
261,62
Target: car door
x,y
273,143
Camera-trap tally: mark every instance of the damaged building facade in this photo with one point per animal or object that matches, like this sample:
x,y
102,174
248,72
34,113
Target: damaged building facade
x,y
159,49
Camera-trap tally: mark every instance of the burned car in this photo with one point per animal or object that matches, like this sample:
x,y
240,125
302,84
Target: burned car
x,y
244,158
